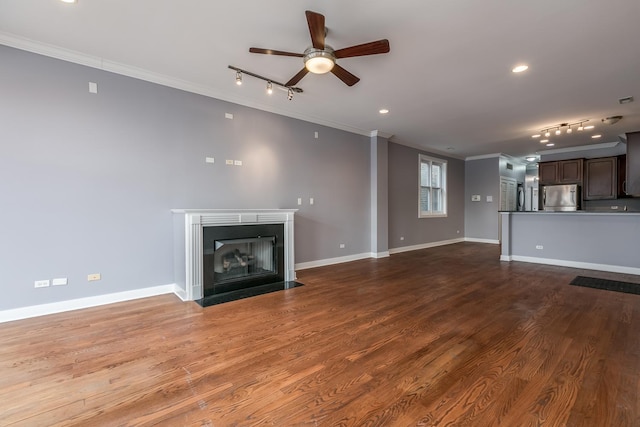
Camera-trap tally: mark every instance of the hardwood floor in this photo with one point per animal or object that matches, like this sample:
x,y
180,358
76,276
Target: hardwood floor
x,y
442,336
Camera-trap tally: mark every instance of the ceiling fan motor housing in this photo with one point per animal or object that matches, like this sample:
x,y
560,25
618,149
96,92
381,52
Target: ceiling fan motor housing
x,y
319,61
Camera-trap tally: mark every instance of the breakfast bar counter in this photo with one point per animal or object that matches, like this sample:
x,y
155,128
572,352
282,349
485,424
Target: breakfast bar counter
x,y
582,239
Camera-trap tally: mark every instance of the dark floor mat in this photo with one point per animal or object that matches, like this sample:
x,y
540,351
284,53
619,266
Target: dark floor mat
x,y
246,293
609,285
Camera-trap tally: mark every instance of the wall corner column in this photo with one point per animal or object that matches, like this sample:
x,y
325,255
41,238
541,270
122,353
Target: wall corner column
x,y
379,152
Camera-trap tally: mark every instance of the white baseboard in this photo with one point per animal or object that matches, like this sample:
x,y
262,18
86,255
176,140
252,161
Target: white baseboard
x,y
473,239
574,264
424,246
76,304
331,261
384,254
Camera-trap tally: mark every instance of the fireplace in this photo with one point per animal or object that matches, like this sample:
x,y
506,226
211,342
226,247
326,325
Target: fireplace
x,y
217,251
241,256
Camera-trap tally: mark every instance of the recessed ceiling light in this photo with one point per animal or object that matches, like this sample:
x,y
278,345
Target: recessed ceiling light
x,y
544,140
535,136
589,127
551,144
68,1
530,159
595,136
383,111
520,68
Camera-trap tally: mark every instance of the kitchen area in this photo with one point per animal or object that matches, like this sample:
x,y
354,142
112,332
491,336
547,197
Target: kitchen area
x,y
588,211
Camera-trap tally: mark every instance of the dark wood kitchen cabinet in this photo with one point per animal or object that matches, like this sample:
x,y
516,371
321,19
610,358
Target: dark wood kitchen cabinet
x,y
570,171
548,172
601,178
561,172
632,187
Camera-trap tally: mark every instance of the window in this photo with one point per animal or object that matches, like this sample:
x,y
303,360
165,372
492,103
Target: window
x,y
432,196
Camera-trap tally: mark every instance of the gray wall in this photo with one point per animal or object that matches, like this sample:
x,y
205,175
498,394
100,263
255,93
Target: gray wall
x,y
482,177
403,200
517,172
88,180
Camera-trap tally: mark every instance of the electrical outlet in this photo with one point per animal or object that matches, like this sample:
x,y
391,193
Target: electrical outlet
x,y
61,281
93,277
41,283
401,237
237,162
209,160
341,245
539,247
228,162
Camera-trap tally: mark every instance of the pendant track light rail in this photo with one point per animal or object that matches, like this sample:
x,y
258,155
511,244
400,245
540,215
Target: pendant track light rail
x,y
290,89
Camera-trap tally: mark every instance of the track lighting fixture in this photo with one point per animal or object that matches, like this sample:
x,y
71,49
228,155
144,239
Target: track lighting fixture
x,y
568,127
270,83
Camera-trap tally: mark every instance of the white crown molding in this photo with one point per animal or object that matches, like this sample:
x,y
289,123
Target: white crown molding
x,y
580,148
375,133
75,57
484,156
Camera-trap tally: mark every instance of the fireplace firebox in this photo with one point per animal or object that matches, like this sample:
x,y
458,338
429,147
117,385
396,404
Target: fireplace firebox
x,y
219,252
239,257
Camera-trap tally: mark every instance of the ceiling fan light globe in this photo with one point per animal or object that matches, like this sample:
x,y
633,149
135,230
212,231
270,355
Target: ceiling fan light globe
x,y
319,65
319,61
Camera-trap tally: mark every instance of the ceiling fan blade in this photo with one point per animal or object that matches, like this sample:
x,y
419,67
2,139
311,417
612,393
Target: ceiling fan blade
x,y
316,28
348,78
371,48
295,79
274,52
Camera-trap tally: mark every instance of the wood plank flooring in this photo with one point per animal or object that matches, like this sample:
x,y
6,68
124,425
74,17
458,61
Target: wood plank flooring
x,y
447,336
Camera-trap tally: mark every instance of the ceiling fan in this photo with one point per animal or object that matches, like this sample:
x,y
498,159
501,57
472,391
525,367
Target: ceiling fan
x,y
321,58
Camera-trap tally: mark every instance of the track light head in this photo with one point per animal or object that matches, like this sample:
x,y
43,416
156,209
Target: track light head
x,y
269,88
290,94
238,78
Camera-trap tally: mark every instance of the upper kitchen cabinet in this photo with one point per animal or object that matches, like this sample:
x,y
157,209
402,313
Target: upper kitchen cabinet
x,y
632,187
601,178
561,172
548,173
570,171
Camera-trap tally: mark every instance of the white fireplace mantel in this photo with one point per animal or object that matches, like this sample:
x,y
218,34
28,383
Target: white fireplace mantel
x,y
188,225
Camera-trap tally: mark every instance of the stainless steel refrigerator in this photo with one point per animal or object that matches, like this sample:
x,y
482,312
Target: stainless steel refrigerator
x,y
561,197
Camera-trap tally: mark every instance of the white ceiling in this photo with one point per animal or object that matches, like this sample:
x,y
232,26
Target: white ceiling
x,y
447,79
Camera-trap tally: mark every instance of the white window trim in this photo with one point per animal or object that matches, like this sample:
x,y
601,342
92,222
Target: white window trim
x,y
422,214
